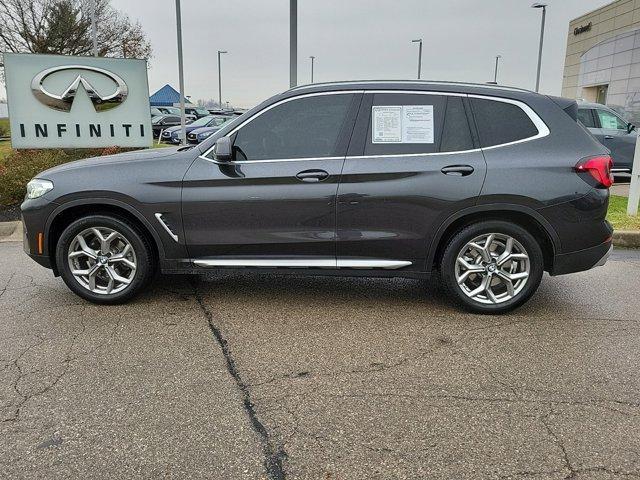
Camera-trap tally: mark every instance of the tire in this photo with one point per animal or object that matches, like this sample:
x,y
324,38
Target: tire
x,y
116,273
503,273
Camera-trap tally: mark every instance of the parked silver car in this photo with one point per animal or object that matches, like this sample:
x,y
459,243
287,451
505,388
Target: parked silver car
x,y
612,131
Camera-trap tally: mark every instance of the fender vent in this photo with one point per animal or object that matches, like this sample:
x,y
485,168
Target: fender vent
x,y
167,226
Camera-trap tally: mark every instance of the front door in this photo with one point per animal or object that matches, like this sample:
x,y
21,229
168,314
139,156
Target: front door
x,y
274,203
411,164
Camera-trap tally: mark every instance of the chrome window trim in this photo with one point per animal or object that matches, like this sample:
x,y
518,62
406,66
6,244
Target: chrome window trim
x,y
302,263
542,128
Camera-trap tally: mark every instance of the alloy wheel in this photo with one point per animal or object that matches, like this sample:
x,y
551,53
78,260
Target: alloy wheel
x,y
492,268
102,260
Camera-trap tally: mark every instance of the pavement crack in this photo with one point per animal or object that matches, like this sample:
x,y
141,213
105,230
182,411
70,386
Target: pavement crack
x,y
274,453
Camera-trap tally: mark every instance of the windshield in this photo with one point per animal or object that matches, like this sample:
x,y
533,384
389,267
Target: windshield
x,y
201,122
216,121
157,119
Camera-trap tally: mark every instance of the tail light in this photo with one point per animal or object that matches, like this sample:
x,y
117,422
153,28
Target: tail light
x,y
598,169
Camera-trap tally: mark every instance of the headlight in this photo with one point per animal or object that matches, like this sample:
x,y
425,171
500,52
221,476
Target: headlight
x,y
36,187
205,134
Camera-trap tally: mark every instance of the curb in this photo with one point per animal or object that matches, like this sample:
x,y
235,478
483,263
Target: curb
x,y
12,232
626,238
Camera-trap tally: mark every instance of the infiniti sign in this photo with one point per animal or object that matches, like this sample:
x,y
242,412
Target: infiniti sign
x,y
60,101
64,101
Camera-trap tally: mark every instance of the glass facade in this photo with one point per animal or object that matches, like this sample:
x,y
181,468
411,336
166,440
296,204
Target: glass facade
x,y
610,73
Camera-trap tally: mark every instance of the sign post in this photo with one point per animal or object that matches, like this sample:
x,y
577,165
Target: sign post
x,y
634,189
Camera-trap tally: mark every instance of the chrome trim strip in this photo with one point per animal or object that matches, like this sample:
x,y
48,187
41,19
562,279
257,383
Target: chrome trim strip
x,y
604,258
542,128
365,263
302,263
164,225
621,170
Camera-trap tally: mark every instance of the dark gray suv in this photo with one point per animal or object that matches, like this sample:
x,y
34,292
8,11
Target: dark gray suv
x,y
488,186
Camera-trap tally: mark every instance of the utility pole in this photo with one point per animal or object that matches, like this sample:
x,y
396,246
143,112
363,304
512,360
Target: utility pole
x,y
94,28
220,52
543,6
419,42
312,59
495,73
293,43
183,121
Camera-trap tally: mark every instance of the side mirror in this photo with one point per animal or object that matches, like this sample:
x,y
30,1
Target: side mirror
x,y
630,127
223,150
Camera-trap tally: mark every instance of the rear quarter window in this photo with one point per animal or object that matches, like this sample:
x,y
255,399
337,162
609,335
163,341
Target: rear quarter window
x,y
500,122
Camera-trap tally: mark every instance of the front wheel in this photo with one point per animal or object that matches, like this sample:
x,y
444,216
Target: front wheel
x,y
492,267
104,259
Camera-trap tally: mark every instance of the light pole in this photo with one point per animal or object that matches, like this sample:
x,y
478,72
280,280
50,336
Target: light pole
x,y
312,60
293,43
220,52
183,121
543,6
495,73
419,41
94,29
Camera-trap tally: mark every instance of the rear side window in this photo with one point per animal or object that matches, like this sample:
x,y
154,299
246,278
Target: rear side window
x,y
406,123
585,116
501,122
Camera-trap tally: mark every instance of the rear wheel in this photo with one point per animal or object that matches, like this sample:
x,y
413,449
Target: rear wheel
x,y
492,266
104,259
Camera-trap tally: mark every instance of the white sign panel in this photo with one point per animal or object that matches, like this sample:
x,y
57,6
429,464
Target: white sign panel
x,y
77,102
402,124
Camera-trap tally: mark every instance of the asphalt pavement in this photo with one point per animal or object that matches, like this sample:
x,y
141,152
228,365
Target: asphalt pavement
x,y
257,376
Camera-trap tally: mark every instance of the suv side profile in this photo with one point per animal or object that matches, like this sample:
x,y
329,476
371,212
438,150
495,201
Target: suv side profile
x,y
486,186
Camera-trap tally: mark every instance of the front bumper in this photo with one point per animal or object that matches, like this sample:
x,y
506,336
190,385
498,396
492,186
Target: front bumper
x,y
582,259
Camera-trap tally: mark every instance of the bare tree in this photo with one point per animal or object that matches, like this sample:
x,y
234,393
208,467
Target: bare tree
x,y
64,27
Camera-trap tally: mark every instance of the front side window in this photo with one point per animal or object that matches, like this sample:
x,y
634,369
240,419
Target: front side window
x,y
500,122
585,116
610,121
306,127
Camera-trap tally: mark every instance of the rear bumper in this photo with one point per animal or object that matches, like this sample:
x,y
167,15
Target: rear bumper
x,y
582,259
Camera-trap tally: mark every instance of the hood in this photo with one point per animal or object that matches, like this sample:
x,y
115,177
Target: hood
x,y
137,157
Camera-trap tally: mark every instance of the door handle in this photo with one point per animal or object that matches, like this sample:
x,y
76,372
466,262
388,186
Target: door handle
x,y
608,137
458,170
312,176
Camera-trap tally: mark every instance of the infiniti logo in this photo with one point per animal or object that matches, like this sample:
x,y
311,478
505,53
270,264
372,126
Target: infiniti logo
x,y
64,101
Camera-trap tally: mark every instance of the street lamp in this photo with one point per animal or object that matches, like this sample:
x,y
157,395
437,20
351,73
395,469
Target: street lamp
x,y
293,43
495,73
220,52
543,6
419,41
312,60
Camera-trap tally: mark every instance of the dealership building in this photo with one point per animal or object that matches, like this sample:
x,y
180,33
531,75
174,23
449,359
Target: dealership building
x,y
603,57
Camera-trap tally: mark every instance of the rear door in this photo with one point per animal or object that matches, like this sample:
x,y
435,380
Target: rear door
x,y
412,162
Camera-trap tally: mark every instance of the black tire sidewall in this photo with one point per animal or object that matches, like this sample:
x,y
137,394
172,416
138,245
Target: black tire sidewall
x,y
461,238
144,267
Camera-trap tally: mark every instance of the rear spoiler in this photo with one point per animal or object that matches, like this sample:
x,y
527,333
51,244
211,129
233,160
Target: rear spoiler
x,y
568,105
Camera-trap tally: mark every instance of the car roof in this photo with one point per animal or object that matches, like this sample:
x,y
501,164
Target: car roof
x,y
407,85
592,105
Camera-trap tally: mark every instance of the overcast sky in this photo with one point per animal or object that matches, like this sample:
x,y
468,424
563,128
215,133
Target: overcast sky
x,y
352,39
